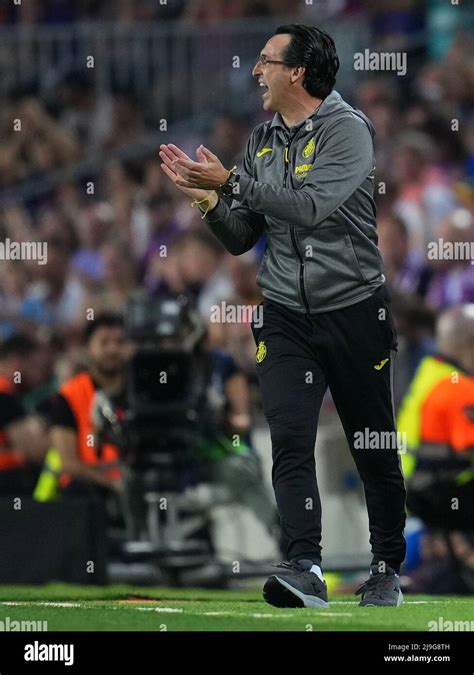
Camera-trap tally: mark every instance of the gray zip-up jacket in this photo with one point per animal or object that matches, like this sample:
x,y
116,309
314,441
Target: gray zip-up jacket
x,y
310,189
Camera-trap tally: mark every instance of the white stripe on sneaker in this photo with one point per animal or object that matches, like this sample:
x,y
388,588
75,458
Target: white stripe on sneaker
x,y
317,570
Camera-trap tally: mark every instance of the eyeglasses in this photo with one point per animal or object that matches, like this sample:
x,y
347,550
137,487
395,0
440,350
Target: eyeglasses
x,y
263,60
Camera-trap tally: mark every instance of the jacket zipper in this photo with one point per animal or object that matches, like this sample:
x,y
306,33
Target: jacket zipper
x,y
293,234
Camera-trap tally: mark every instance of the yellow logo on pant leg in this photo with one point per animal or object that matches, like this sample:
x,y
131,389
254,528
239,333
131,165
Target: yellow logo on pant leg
x,y
261,352
380,365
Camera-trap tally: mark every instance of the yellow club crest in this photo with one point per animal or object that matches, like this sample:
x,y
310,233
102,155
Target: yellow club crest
x,y
308,149
261,352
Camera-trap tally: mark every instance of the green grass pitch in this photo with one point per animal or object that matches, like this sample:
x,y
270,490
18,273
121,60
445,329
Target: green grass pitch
x,y
121,607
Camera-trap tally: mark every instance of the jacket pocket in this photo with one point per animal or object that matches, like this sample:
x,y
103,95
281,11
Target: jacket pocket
x,y
382,313
331,262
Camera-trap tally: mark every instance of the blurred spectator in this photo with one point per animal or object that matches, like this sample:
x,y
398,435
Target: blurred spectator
x,y
14,280
126,122
119,280
387,123
201,259
38,146
424,196
453,282
94,227
122,190
236,335
213,10
415,323
86,116
54,298
164,230
373,91
228,137
44,376
405,269
23,441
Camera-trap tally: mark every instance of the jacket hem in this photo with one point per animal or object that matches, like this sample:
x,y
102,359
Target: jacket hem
x,y
332,307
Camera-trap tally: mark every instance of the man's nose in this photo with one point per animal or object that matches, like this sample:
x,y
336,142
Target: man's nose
x,y
256,70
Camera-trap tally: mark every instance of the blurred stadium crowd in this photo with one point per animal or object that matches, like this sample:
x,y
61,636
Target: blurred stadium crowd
x,y
62,11
126,229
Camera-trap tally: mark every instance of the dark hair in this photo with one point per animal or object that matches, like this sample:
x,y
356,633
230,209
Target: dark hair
x,y
17,345
314,50
107,320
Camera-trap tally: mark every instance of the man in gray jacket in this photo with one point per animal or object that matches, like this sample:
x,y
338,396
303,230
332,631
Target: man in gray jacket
x,y
307,182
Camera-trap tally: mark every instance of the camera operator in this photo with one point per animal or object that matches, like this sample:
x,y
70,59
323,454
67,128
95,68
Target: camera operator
x,y
437,416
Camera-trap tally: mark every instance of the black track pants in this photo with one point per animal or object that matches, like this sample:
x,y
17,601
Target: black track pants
x,y
352,351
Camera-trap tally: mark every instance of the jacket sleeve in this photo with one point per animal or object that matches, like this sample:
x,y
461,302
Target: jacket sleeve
x,y
238,227
343,161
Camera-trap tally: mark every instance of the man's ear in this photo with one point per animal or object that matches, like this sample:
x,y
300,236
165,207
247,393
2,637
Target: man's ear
x,y
297,74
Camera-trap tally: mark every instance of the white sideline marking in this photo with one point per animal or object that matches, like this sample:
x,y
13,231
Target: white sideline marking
x,y
256,615
259,615
407,602
26,603
59,604
157,609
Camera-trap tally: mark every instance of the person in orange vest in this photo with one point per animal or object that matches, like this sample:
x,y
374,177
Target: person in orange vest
x,y
22,436
437,416
85,463
441,488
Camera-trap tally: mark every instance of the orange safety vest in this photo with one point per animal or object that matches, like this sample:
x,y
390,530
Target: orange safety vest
x,y
79,392
9,459
447,415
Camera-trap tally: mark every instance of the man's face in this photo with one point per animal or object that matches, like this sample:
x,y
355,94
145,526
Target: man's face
x,y
108,350
274,76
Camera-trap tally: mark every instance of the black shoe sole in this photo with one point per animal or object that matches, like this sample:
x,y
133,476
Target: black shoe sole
x,y
276,594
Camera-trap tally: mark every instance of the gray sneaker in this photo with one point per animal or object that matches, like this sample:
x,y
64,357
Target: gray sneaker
x,y
294,585
382,589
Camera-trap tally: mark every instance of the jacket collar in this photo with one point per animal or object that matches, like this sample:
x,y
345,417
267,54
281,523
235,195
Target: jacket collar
x,y
277,120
